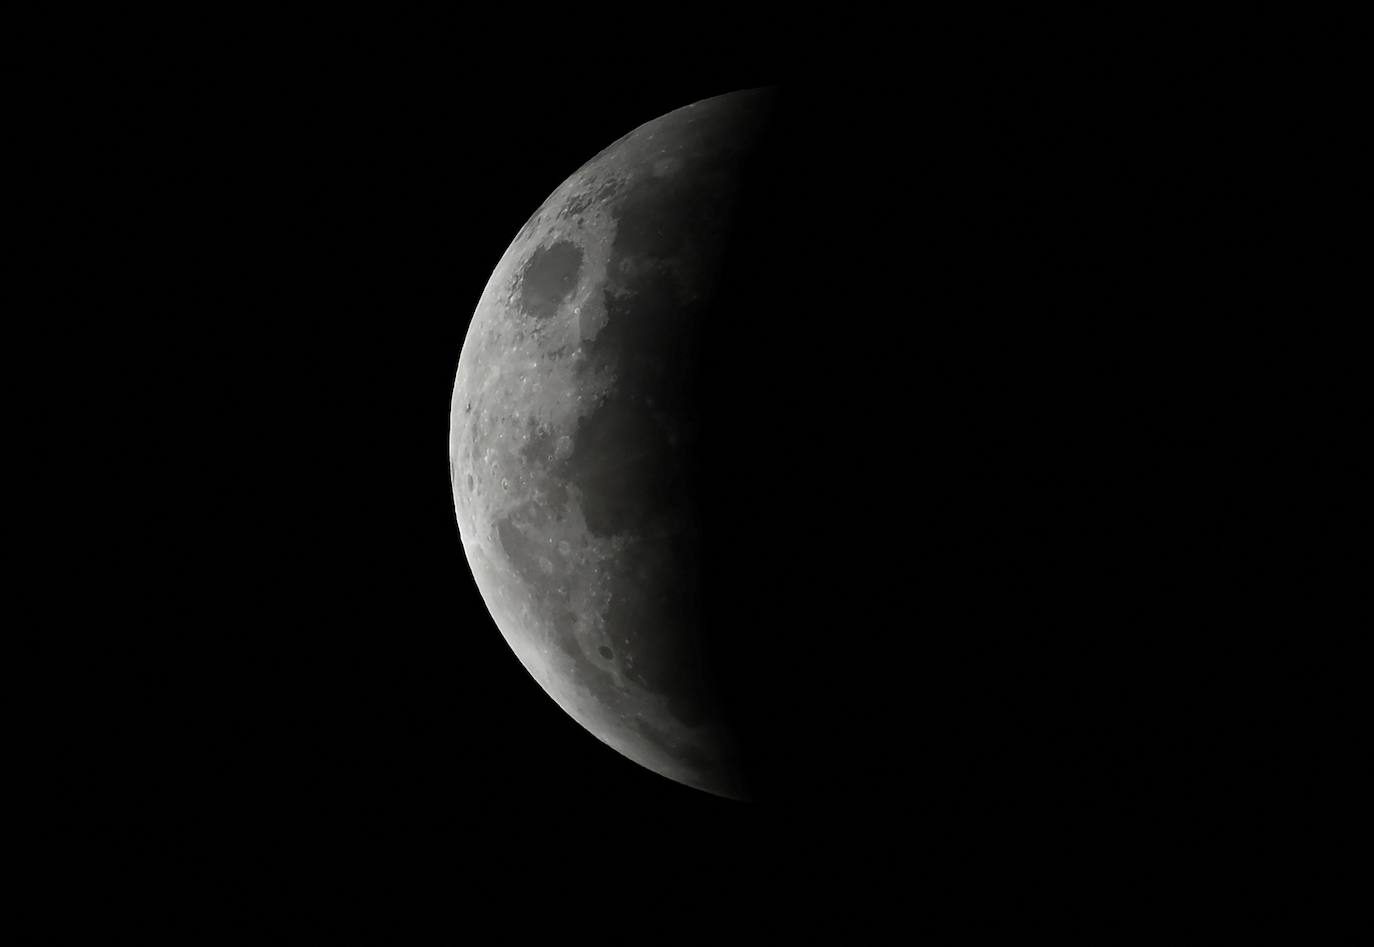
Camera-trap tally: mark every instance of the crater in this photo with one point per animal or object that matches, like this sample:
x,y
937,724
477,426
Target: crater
x,y
538,449
549,277
606,652
576,205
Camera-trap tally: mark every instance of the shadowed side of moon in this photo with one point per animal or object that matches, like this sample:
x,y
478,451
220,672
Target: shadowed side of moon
x,y
575,433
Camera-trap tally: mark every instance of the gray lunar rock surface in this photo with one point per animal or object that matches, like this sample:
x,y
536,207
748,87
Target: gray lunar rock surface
x,y
573,429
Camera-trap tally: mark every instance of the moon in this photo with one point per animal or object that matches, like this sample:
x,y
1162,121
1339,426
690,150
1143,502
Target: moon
x,y
573,433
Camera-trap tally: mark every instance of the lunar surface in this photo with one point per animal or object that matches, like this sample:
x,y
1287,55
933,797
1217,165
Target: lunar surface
x,y
573,429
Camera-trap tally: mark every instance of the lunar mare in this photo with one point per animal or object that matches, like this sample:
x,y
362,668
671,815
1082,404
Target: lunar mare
x,y
573,428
